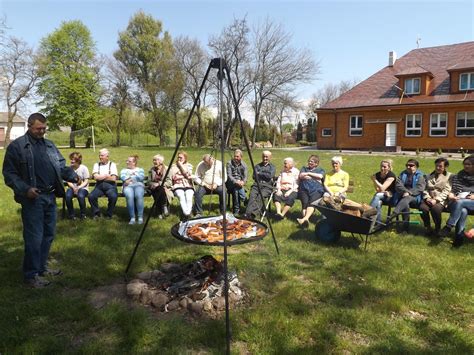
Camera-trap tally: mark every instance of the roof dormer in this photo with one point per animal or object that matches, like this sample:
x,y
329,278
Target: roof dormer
x,y
415,80
461,77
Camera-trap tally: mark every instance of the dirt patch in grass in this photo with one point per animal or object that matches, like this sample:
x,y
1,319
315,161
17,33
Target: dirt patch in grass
x,y
103,295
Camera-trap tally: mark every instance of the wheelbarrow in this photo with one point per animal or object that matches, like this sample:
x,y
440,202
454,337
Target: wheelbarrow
x,y
329,229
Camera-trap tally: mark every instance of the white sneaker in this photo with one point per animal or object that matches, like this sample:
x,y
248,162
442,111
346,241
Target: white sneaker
x,y
140,220
132,221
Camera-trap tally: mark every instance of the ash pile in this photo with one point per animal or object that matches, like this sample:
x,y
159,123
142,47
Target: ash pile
x,y
196,287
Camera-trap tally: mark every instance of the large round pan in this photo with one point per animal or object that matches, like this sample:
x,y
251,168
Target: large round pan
x,y
178,231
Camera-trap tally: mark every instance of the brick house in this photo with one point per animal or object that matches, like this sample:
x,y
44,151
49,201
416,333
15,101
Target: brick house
x,y
424,100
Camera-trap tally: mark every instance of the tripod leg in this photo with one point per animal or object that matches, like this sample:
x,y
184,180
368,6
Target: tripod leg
x,y
247,145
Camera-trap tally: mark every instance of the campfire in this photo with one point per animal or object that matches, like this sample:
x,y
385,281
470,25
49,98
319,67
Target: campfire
x,y
197,287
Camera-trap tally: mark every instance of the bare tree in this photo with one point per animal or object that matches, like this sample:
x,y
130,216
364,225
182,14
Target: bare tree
x,y
332,91
119,93
193,61
18,75
233,45
278,67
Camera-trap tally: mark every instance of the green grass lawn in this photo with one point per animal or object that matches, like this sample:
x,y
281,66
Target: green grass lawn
x,y
405,294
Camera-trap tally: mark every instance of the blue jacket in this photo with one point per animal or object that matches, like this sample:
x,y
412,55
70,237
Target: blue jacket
x,y
417,187
19,168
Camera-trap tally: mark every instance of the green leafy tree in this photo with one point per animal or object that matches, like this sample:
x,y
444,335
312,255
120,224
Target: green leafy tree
x,y
68,77
299,132
148,54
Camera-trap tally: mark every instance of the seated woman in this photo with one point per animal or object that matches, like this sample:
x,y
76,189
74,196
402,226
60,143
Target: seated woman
x,y
310,187
337,180
79,190
384,183
286,187
408,191
182,184
435,196
159,190
460,201
133,188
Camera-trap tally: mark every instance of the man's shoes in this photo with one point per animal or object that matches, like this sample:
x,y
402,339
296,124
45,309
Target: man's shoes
x,y
458,241
51,272
72,217
445,231
108,217
96,217
83,217
37,282
132,221
140,220
166,213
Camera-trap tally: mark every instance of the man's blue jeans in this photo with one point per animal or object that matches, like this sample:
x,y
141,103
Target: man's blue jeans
x,y
201,191
39,228
134,195
101,189
238,196
81,198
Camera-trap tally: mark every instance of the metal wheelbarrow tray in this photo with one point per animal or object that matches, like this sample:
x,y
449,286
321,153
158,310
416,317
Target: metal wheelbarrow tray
x,y
336,222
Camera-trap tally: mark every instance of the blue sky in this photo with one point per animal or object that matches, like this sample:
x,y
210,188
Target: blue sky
x,y
351,39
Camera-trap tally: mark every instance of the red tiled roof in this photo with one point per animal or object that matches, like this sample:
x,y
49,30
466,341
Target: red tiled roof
x,y
414,71
380,90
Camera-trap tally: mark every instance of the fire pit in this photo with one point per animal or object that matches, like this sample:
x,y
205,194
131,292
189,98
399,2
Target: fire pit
x,y
196,287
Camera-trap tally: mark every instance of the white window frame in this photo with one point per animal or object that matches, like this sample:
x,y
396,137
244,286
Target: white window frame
x,y
412,90
470,81
437,118
412,117
358,130
467,117
323,134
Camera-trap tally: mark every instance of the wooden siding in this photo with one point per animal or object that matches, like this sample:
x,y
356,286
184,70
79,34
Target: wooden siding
x,y
373,135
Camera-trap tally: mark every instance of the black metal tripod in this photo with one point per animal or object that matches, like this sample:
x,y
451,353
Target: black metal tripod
x,y
223,72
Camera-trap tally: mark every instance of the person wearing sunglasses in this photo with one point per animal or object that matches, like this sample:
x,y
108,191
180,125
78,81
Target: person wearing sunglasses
x,y
408,191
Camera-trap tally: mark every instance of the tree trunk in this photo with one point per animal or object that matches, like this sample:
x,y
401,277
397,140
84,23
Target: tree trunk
x,y
119,127
11,115
72,138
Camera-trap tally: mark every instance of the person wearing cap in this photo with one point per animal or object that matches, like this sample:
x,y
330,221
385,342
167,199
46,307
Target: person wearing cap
x,y
35,169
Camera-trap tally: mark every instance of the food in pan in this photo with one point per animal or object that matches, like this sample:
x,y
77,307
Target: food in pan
x,y
213,231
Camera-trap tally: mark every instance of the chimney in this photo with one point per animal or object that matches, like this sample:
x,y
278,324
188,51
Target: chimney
x,y
392,58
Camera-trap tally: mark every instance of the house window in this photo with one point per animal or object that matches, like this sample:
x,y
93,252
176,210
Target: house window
x,y
412,86
326,132
413,125
439,124
355,126
466,81
465,123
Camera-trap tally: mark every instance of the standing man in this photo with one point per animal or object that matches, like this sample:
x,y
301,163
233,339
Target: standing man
x,y
105,174
237,173
209,179
34,169
265,173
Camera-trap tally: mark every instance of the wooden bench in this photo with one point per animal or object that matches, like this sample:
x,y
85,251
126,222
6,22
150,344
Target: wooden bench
x,y
93,183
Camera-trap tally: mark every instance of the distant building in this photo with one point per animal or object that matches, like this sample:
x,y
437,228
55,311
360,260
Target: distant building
x,y
423,100
19,127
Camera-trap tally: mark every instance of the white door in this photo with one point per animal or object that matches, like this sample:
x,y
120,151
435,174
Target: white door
x,y
390,134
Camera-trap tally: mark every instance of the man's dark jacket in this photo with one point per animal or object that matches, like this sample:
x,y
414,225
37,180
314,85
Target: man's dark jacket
x,y
19,168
